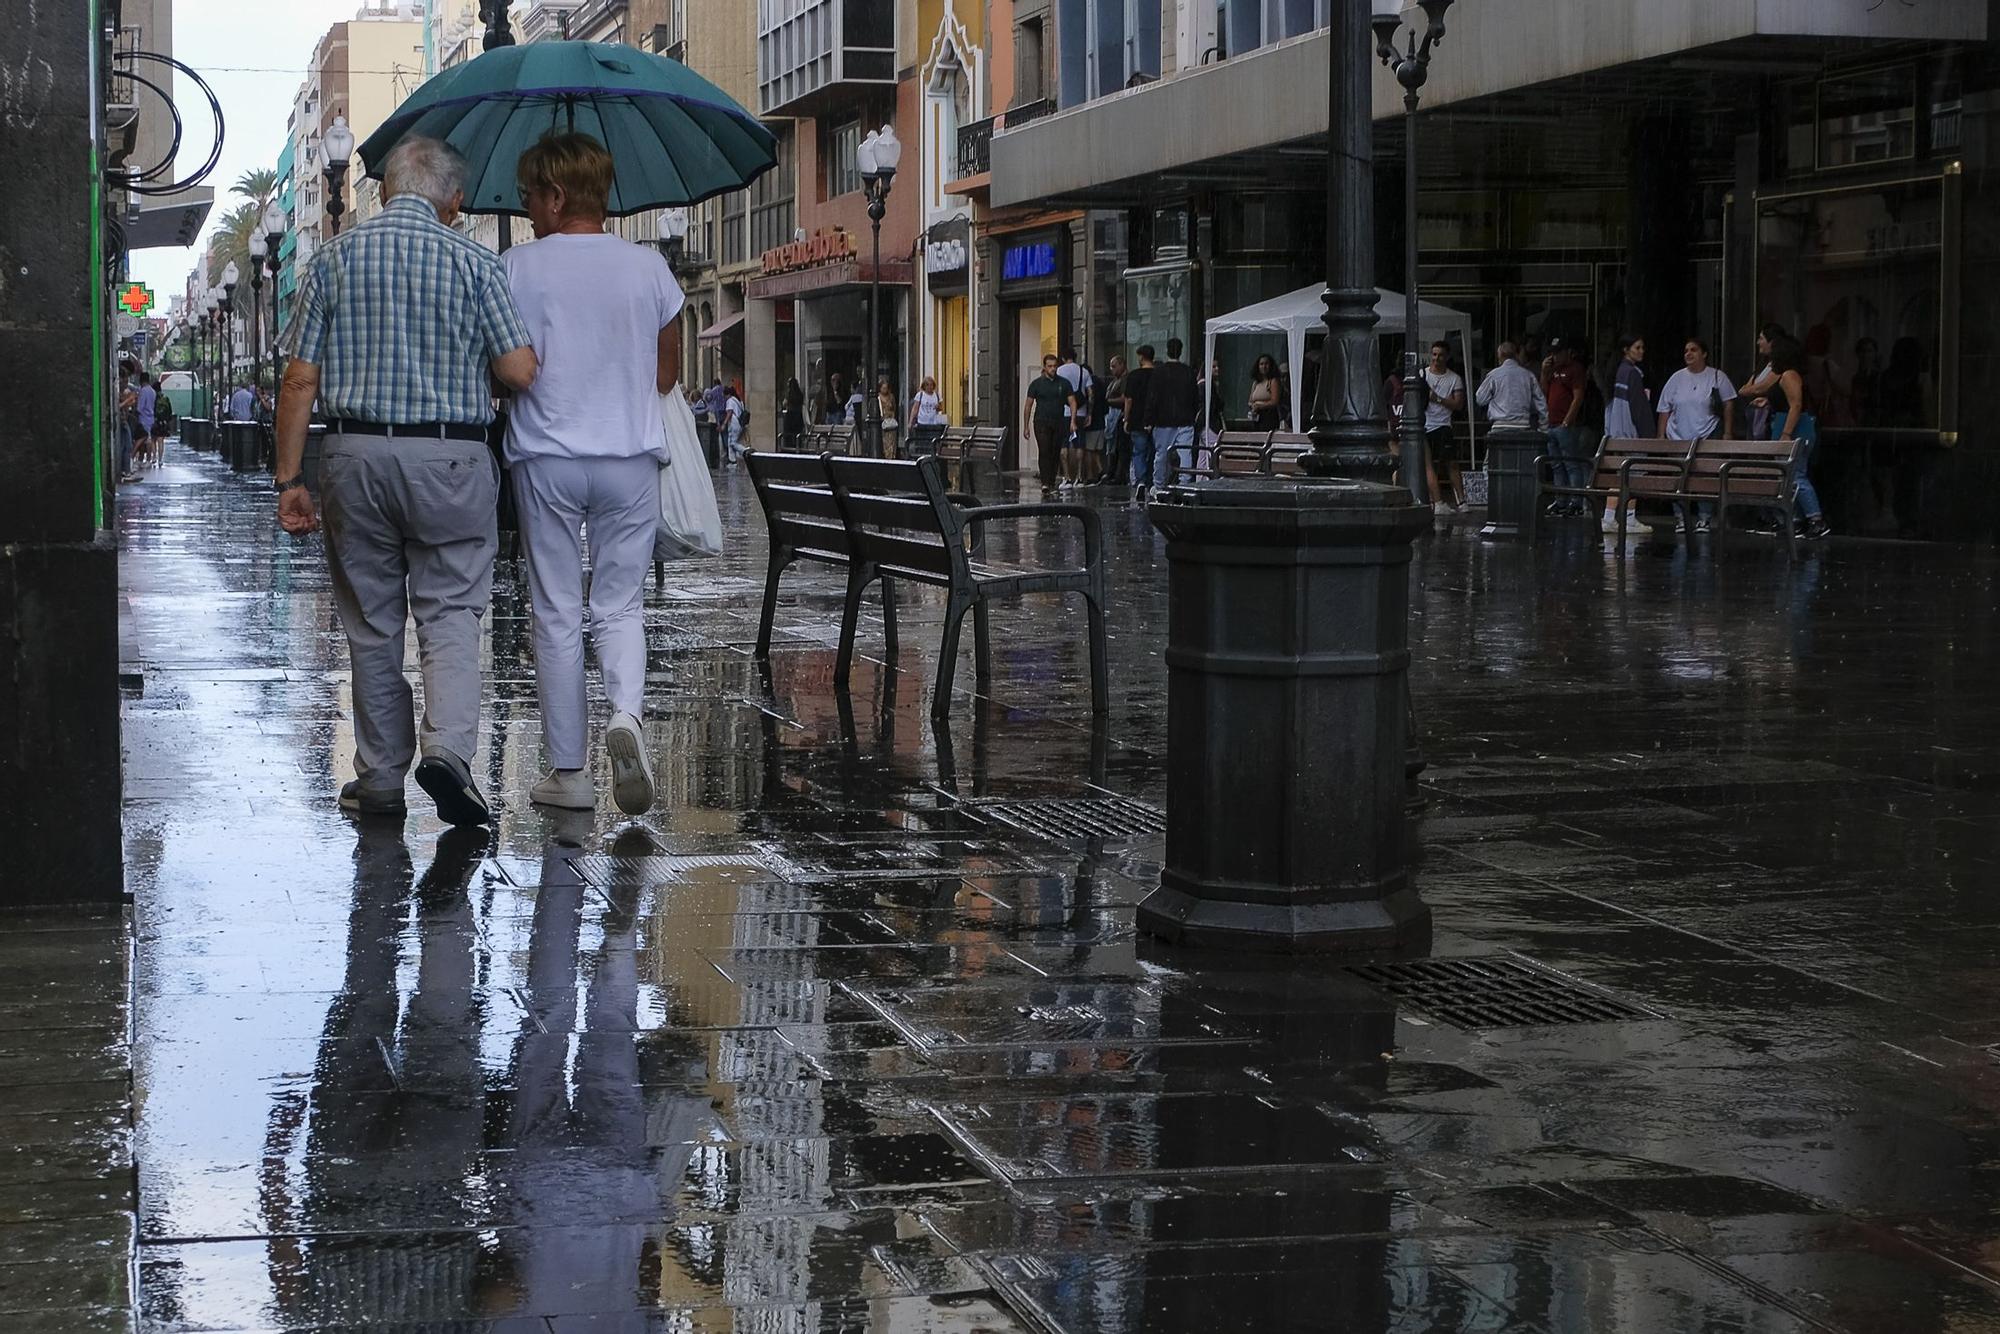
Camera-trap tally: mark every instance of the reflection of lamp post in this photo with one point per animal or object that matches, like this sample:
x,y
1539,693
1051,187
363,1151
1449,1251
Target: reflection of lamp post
x,y
1412,66
274,239
877,158
338,141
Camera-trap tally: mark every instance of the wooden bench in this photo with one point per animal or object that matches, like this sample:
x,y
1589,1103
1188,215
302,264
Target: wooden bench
x,y
892,519
967,449
1234,454
1623,470
826,439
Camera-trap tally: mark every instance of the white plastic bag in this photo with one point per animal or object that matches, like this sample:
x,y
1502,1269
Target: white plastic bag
x,y
690,524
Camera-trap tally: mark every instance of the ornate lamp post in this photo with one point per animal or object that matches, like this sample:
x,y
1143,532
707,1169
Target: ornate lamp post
x,y
338,141
231,275
215,349
274,238
1411,65
877,158
260,250
673,237
493,13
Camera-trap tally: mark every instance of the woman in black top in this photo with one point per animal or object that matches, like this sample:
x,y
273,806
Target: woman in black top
x,y
1792,419
1267,408
792,416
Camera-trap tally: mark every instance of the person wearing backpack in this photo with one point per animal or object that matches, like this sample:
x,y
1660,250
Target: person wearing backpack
x,y
734,418
1074,374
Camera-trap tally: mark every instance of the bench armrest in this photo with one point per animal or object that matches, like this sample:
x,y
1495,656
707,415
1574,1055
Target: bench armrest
x,y
1093,523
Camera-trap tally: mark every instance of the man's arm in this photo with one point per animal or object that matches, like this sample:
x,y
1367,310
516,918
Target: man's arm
x,y
517,369
295,405
669,373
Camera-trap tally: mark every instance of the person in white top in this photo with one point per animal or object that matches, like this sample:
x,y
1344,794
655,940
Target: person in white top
x,y
1077,376
927,419
1444,394
732,425
584,446
1698,402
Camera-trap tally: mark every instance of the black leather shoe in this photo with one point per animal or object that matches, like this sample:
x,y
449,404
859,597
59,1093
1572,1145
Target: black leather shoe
x,y
449,783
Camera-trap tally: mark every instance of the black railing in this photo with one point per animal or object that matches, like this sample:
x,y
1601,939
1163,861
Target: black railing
x,y
975,149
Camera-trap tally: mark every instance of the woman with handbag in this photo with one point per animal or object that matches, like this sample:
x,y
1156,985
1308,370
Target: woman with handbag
x,y
584,447
1698,403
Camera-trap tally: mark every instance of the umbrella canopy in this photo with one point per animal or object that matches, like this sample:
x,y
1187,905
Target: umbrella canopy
x,y
676,138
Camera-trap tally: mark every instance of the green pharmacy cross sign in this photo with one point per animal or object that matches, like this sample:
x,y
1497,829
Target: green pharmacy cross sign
x,y
136,299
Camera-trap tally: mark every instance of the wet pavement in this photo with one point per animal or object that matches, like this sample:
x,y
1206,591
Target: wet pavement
x,y
847,1037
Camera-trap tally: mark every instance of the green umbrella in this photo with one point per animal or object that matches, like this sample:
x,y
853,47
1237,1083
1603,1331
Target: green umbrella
x,y
676,138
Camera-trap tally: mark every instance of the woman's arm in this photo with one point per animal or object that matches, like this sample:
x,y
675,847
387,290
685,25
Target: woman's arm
x,y
1795,394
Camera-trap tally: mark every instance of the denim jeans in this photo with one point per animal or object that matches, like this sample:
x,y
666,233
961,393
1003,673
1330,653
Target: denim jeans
x,y
1807,434
1571,457
1142,455
1169,441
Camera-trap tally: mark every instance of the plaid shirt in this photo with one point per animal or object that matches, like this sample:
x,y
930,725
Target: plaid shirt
x,y
402,316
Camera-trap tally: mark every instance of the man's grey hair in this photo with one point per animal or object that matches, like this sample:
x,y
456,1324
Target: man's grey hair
x,y
1506,352
429,168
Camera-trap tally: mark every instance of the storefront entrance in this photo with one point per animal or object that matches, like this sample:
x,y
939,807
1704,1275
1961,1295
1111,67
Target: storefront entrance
x,y
1036,331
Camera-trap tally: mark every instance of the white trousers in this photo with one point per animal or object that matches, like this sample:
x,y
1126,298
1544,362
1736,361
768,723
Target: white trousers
x,y
620,500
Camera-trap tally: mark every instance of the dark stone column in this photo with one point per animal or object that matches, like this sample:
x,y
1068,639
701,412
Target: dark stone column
x,y
1659,300
1287,665
59,758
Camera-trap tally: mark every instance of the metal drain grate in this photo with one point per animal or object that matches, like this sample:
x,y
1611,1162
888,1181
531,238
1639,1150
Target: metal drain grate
x,y
1497,993
610,869
1066,819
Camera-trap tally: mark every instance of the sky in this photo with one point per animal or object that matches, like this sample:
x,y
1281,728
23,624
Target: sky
x,y
254,54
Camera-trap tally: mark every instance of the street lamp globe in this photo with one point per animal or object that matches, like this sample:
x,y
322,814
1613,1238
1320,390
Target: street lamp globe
x,y
338,142
259,248
274,227
231,275
864,157
888,151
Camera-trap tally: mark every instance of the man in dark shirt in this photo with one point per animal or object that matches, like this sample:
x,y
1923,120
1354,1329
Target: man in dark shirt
x,y
1564,389
1173,406
1138,422
1047,411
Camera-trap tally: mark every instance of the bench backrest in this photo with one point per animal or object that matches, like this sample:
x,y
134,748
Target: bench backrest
x,y
799,506
1661,465
900,518
1286,453
1756,468
951,444
986,442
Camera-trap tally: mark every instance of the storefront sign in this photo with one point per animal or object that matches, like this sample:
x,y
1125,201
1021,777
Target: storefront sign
x,y
944,257
1027,263
827,248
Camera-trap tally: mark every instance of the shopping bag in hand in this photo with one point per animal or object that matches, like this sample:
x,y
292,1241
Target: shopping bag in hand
x,y
690,524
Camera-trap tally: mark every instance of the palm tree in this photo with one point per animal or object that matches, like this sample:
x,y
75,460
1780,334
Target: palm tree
x,y
231,241
259,187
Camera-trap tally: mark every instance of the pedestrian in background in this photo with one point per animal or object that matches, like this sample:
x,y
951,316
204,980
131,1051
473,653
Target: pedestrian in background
x,y
1792,418
400,323
1045,418
1628,411
1113,461
792,417
1563,387
1265,406
885,408
243,404
927,418
1173,406
1139,424
1444,394
1697,403
584,449
715,401
1077,377
1511,395
145,410
734,418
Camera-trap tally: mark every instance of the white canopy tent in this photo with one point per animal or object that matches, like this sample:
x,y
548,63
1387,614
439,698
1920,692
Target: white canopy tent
x,y
1298,314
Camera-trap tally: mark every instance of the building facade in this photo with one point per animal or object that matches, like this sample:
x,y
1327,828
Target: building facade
x,y
1696,167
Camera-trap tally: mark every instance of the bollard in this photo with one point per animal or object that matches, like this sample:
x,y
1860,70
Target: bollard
x,y
1287,664
1511,484
240,445
195,433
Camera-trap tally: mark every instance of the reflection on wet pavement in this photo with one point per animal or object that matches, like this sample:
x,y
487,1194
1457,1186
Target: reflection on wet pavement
x,y
831,1043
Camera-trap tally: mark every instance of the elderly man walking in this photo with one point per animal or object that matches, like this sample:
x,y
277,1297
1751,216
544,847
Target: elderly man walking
x,y
399,323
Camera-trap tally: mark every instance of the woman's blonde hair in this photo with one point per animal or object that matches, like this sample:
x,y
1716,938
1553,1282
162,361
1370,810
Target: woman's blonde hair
x,y
574,163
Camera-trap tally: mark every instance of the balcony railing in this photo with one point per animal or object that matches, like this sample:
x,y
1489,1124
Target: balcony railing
x,y
975,141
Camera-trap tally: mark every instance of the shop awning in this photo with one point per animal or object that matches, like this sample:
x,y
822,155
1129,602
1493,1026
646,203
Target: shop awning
x,y
168,221
715,332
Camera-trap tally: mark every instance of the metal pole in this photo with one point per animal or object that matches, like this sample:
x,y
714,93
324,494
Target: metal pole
x,y
1415,400
257,327
871,399
1348,434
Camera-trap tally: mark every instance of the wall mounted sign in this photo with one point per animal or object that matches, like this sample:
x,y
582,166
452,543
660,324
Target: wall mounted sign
x,y
1026,263
826,248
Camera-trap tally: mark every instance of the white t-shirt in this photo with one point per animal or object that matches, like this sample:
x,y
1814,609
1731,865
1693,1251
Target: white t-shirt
x,y
929,412
732,412
1686,401
594,307
1444,384
1079,382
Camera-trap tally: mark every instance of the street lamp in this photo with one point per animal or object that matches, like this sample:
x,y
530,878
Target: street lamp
x,y
260,249
1411,65
673,237
338,141
877,158
221,380
274,239
231,275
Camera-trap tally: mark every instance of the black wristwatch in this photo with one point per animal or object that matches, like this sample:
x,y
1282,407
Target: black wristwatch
x,y
294,483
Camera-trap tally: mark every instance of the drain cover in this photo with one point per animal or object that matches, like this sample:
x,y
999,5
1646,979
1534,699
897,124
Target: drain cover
x,y
609,869
1497,993
1065,819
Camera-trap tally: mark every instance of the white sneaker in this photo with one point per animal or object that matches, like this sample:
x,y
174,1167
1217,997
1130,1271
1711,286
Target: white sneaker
x,y
631,771
1610,521
566,790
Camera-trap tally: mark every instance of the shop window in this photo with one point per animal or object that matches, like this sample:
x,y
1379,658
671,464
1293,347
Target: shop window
x,y
735,230
1106,45
1858,277
1245,25
1868,117
1944,109
843,171
771,200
